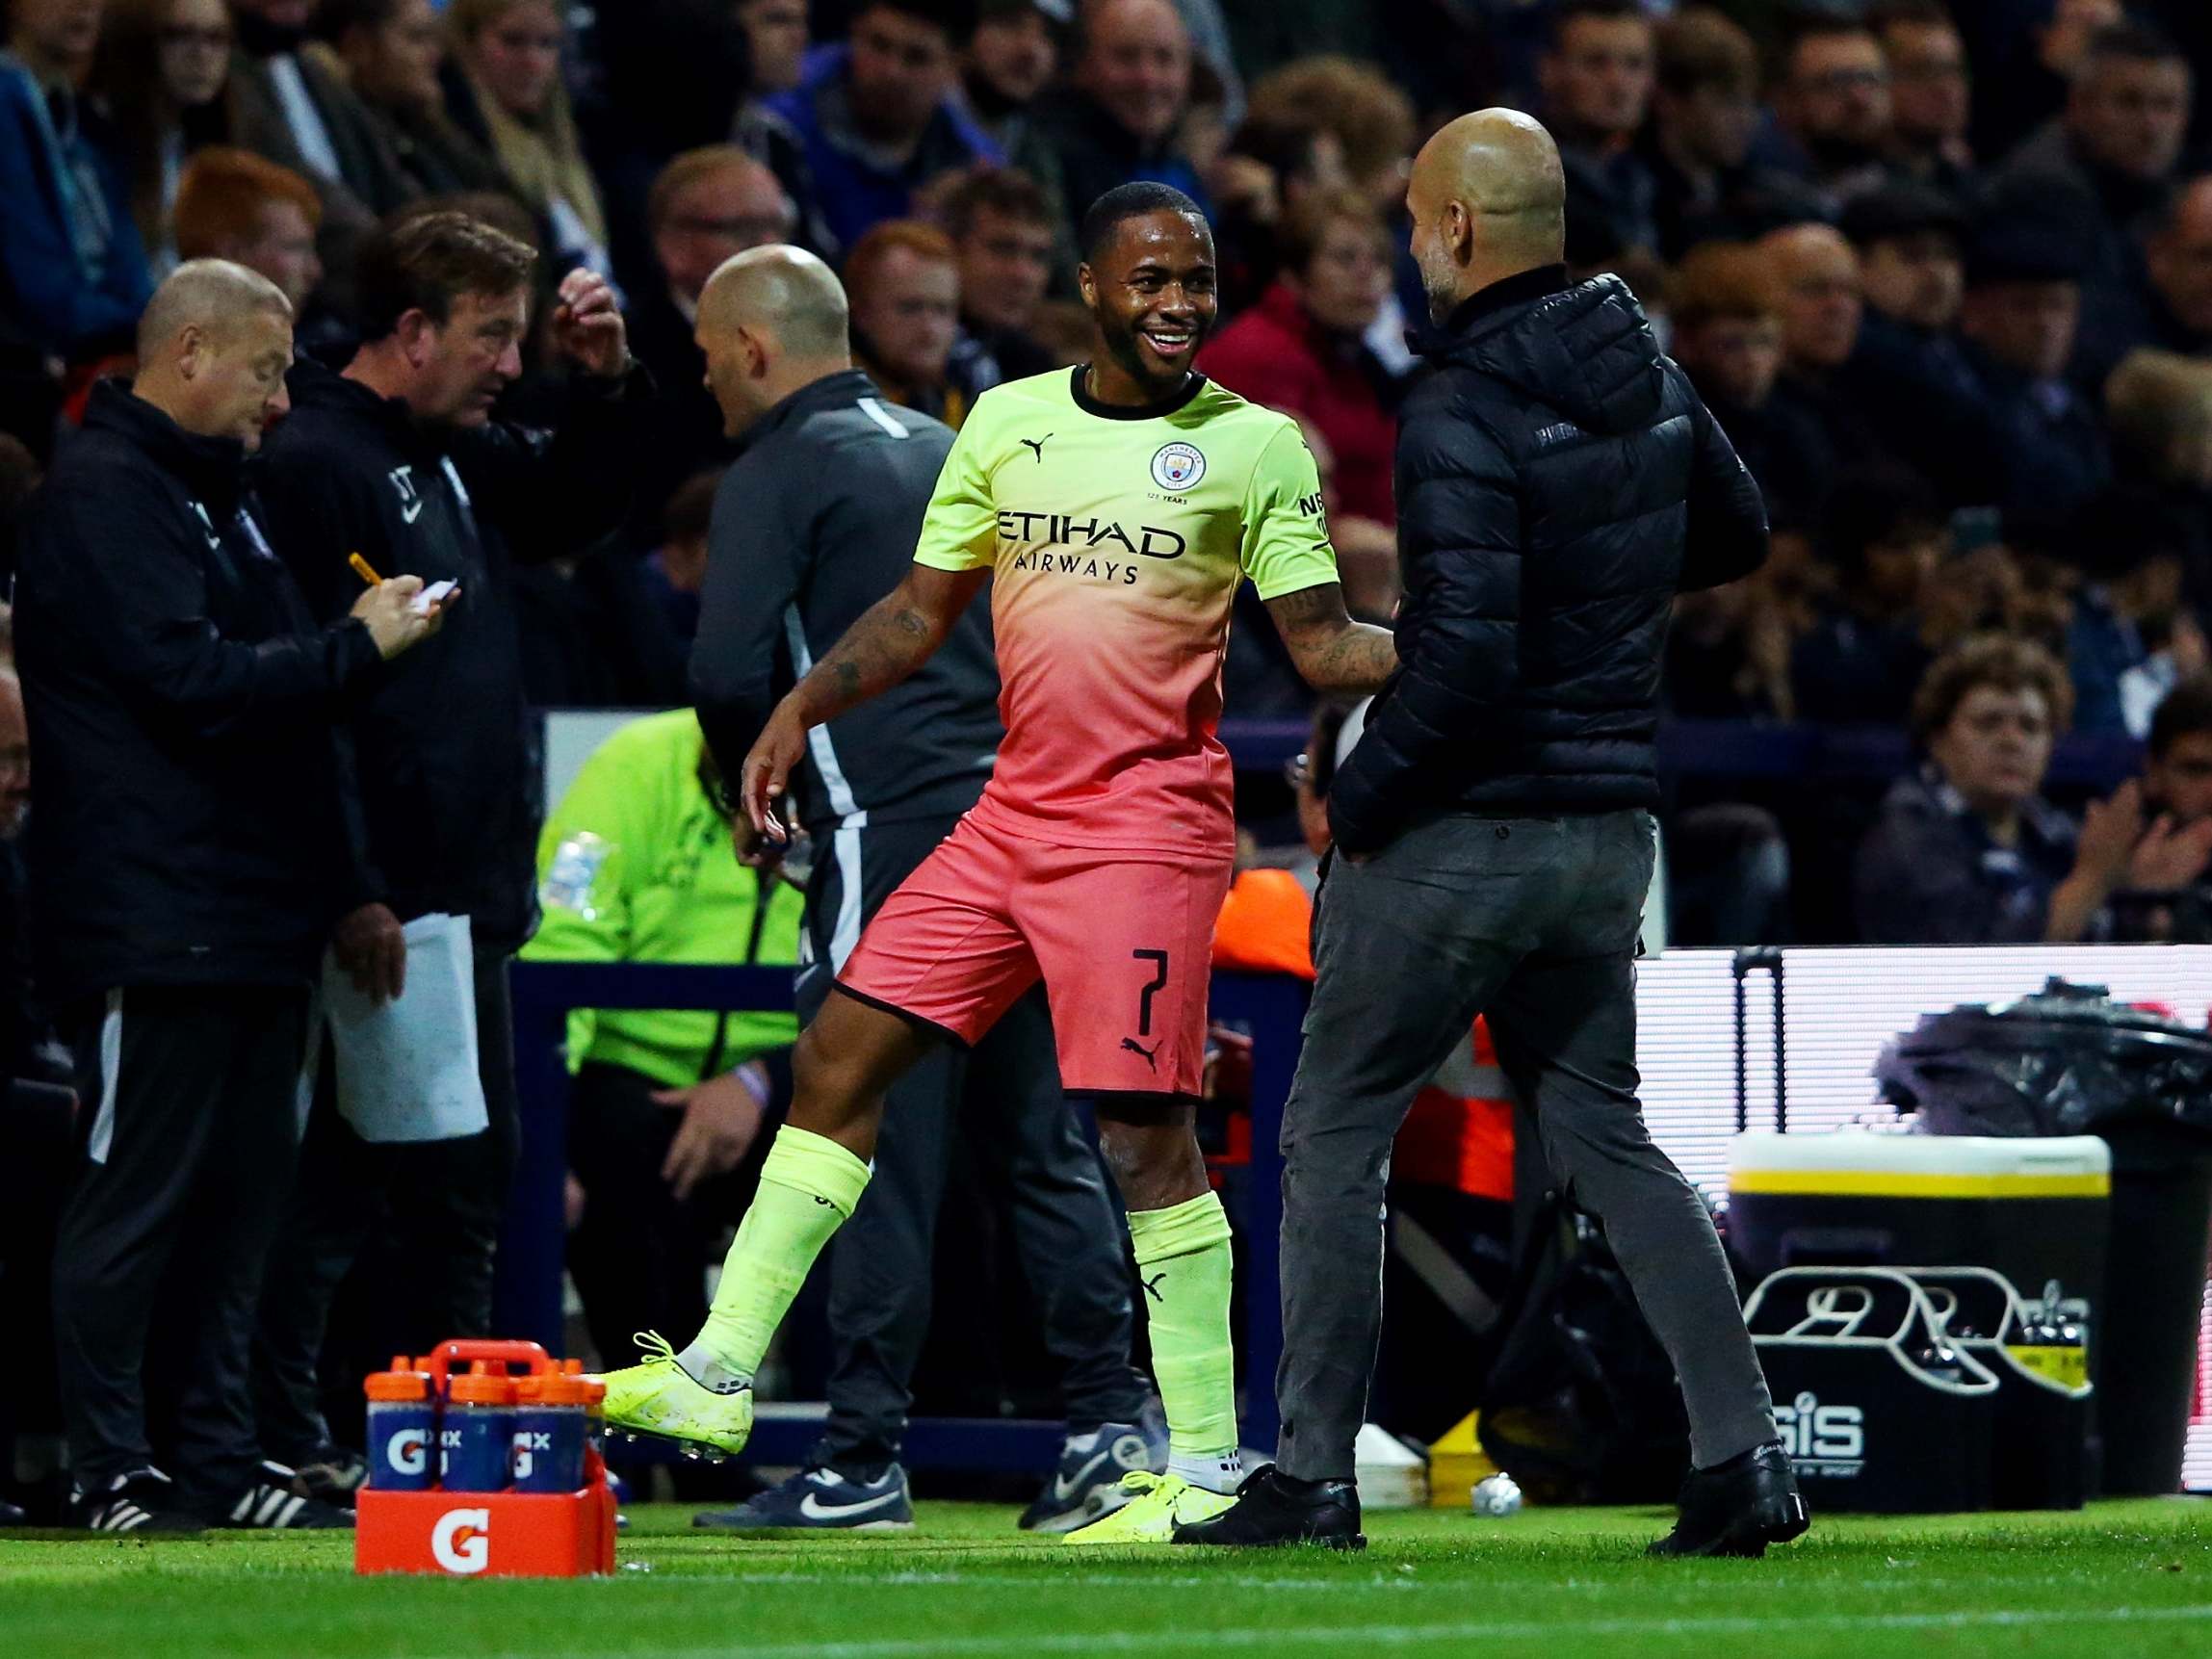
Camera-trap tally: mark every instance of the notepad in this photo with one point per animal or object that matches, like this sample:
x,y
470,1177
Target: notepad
x,y
408,1069
431,596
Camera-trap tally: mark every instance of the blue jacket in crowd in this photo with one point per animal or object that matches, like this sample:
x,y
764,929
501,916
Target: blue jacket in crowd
x,y
75,269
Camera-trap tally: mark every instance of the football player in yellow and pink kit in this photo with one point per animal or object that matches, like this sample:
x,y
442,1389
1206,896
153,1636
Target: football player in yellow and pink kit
x,y
1113,510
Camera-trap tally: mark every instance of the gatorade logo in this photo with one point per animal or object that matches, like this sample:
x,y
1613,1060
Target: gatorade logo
x,y
528,1443
462,1541
1827,1440
408,1451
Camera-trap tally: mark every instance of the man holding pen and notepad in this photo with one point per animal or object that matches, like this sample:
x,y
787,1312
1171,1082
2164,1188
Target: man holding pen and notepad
x,y
189,847
399,465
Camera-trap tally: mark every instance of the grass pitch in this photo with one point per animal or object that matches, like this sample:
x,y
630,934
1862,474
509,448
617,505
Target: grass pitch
x,y
2117,1581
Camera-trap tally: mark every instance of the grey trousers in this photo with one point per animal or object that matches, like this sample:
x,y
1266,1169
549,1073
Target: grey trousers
x,y
1531,922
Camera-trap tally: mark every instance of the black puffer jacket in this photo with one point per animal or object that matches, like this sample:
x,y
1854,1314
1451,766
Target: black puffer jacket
x,y
1558,484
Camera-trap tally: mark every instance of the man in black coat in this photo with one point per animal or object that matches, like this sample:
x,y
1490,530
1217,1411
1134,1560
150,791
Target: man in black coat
x,y
399,460
191,863
1558,485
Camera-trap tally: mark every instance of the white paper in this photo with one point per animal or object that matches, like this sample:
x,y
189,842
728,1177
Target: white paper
x,y
408,1068
427,600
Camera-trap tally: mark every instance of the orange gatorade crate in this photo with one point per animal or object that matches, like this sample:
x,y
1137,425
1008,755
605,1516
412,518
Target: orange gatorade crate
x,y
489,1534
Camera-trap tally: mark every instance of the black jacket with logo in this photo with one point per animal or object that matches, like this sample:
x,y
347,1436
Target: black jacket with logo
x,y
181,703
1558,485
445,784
815,522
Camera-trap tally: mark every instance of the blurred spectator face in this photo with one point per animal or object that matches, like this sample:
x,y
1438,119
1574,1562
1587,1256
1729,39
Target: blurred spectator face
x,y
194,47
1734,359
776,32
1346,280
1816,287
1897,568
1929,88
1006,266
2027,326
2131,114
397,63
1598,77
2180,780
15,757
901,69
463,364
1710,126
1836,96
518,55
1996,747
1918,279
909,312
1015,54
1136,63
282,249
717,218
61,32
2181,259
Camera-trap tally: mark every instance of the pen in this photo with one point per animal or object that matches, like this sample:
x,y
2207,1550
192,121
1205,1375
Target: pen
x,y
363,569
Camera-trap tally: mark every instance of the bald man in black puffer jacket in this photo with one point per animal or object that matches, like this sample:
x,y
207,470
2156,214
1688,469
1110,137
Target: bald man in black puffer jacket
x,y
1558,485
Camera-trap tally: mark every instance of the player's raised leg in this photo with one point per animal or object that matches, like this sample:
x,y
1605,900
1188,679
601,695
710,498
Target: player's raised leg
x,y
810,1184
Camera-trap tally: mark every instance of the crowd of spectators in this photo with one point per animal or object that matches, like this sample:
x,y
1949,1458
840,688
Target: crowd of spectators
x,y
1941,268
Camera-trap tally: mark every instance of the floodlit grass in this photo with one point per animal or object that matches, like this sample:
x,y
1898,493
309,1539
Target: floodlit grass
x,y
2115,1581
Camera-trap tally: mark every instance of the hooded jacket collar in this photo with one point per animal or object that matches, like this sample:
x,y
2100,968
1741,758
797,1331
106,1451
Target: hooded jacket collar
x,y
1587,351
212,469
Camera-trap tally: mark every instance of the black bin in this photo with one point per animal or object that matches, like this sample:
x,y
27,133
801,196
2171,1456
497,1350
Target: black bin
x,y
2072,1061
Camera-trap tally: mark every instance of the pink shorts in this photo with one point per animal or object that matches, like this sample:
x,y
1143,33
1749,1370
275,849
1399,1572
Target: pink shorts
x,y
1123,941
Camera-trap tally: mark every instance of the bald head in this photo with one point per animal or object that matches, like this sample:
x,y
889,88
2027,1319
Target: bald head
x,y
771,321
1489,200
783,291
209,295
214,345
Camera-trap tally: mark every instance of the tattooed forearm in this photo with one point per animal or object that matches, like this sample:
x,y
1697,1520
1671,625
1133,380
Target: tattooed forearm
x,y
890,641
1333,652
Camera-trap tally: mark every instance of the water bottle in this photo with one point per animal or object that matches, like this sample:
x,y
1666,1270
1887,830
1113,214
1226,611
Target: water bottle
x,y
551,1425
476,1441
594,1405
402,1428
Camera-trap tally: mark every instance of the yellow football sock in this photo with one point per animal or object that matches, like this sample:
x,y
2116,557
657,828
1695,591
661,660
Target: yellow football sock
x,y
809,1186
1183,1259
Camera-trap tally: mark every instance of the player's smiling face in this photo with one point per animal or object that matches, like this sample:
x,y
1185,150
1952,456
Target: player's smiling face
x,y
1153,291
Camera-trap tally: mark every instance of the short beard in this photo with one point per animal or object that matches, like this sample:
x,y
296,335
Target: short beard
x,y
1442,295
1121,346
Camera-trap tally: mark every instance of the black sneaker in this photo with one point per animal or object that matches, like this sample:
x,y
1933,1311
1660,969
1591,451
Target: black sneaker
x,y
1273,1508
1738,1508
821,1499
329,1474
272,1505
143,1500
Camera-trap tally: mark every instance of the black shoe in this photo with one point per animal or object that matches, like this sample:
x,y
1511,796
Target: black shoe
x,y
144,1500
1738,1508
271,1505
1273,1508
329,1474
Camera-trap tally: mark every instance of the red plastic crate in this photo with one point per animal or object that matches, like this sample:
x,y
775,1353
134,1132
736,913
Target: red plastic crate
x,y
489,1534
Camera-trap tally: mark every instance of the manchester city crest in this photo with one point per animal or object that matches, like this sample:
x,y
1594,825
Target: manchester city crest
x,y
1178,466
